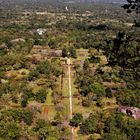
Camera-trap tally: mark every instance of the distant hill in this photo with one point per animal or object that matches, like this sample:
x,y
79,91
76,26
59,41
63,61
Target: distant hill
x,y
58,1
37,3
111,1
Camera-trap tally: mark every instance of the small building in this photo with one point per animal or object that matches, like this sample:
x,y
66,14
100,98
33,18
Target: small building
x,y
66,9
130,111
41,31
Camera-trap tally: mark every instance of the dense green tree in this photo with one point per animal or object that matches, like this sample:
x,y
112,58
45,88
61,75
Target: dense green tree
x,y
98,89
8,43
66,134
3,51
123,51
33,75
99,102
13,60
9,130
133,6
73,52
44,130
76,120
89,126
53,43
44,68
57,118
26,95
41,95
131,128
115,136
109,93
94,59
27,116
64,52
24,102
128,98
120,127
109,124
8,88
86,102
86,64
18,115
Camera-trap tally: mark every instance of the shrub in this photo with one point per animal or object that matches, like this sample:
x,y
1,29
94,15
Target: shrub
x,y
89,126
86,102
41,95
76,120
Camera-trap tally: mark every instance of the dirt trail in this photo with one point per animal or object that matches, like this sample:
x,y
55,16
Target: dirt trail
x,y
70,93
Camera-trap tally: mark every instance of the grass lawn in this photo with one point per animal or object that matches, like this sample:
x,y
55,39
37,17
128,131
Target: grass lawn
x,y
49,98
17,74
78,108
65,87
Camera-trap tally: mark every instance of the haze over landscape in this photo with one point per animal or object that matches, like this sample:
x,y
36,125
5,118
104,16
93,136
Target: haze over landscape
x,y
8,2
69,70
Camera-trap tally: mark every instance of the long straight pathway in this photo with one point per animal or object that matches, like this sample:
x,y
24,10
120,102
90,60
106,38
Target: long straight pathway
x,y
70,93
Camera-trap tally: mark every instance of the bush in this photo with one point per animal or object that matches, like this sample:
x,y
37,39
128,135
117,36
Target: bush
x,y
18,115
44,68
128,98
64,52
24,102
9,130
108,93
27,116
98,89
41,95
86,102
33,75
89,126
76,120
26,95
44,130
73,52
99,102
94,59
118,127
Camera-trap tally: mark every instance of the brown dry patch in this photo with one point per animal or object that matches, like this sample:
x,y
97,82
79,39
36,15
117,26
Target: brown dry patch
x,y
112,84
